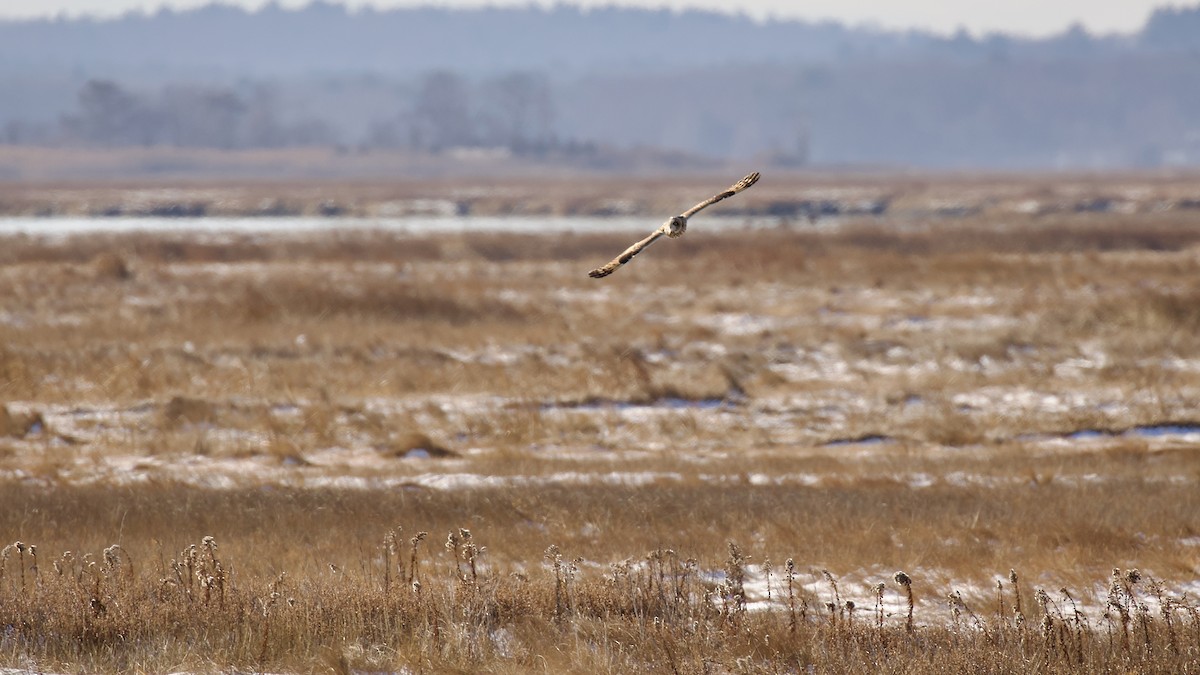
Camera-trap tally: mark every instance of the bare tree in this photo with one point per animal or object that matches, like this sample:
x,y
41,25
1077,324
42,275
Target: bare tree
x,y
442,114
21,132
262,125
203,117
111,115
518,112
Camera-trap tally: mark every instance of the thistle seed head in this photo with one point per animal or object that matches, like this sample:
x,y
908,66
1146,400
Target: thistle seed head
x,y
112,556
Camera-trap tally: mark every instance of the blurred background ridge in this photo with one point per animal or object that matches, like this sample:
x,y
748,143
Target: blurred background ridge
x,y
590,86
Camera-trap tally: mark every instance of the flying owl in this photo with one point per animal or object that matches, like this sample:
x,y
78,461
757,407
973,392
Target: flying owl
x,y
675,227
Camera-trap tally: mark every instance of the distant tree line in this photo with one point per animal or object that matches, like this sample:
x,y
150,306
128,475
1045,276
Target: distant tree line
x,y
184,115
1172,29
565,81
276,41
513,111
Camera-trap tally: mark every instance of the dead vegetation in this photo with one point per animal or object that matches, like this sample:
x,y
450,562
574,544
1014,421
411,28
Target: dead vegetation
x,y
304,586
953,397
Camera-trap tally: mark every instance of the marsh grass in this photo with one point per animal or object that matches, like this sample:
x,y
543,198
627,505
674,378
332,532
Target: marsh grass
x,y
952,398
312,598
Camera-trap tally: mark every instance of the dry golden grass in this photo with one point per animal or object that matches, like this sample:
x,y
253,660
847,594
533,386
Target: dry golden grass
x,y
953,398
301,582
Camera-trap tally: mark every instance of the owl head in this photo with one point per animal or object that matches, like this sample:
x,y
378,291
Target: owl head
x,y
675,227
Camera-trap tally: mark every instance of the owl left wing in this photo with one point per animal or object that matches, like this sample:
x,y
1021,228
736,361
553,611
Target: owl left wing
x,y
733,190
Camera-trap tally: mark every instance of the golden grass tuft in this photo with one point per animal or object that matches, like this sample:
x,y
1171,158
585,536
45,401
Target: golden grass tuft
x,y
110,266
183,410
19,425
414,444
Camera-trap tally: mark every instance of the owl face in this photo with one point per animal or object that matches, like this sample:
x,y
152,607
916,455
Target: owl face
x,y
676,226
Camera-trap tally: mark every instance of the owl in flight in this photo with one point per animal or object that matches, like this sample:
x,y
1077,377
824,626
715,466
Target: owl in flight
x,y
675,227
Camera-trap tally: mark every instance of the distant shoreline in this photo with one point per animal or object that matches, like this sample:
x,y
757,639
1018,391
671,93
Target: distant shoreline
x,y
325,183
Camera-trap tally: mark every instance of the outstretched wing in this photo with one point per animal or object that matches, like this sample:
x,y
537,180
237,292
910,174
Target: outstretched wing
x,y
733,190
626,256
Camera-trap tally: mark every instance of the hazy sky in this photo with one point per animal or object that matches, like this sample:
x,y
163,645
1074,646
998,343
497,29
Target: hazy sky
x,y
1032,17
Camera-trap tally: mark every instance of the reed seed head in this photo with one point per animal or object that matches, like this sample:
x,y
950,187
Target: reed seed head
x,y
1042,597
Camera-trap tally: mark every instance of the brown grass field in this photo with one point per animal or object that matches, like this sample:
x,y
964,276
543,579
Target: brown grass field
x,y
945,439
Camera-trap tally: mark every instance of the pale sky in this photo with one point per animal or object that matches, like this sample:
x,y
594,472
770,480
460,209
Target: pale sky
x,y
1029,17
